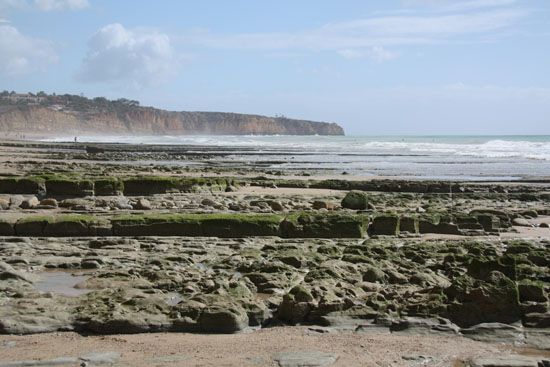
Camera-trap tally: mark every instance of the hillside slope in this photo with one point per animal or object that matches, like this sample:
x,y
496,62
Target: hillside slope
x,y
47,117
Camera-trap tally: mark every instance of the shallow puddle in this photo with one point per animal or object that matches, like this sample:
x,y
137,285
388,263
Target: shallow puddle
x,y
61,282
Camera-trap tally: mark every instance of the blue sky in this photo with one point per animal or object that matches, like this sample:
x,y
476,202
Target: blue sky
x,y
375,67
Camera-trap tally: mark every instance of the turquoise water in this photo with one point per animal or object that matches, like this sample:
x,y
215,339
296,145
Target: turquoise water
x,y
446,157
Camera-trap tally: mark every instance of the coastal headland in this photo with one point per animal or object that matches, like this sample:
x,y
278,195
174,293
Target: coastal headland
x,y
43,114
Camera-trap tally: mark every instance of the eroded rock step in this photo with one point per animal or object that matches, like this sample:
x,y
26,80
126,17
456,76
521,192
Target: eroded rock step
x,y
233,225
65,184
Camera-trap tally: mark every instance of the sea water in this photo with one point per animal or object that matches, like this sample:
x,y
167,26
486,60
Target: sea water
x,y
437,157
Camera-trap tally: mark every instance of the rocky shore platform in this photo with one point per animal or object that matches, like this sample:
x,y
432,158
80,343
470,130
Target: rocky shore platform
x,y
151,256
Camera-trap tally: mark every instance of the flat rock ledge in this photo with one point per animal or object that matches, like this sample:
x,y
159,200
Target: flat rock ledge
x,y
88,360
305,359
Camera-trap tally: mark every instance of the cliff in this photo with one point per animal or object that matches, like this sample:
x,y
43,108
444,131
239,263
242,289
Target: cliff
x,y
52,118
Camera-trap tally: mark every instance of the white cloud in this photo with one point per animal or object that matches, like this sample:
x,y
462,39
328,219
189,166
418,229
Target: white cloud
x,y
375,53
433,27
12,4
44,5
372,36
460,5
49,5
20,54
122,56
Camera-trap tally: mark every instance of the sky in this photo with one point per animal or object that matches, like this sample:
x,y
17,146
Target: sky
x,y
420,67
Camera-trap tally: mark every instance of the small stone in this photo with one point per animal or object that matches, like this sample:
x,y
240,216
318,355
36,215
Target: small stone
x,y
208,202
16,200
4,204
276,206
544,225
142,204
230,188
121,203
49,202
521,222
318,205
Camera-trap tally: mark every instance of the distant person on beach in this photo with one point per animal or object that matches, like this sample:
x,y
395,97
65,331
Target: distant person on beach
x,y
75,139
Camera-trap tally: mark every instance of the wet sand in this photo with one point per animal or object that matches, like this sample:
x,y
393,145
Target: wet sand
x,y
258,348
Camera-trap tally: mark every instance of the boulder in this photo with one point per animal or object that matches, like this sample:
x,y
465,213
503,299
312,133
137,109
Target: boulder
x,y
474,301
218,319
357,200
29,203
296,305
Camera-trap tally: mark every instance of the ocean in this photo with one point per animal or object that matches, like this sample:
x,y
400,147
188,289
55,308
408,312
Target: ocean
x,y
434,157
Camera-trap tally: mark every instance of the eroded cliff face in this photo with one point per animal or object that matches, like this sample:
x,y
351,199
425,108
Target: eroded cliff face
x,y
146,120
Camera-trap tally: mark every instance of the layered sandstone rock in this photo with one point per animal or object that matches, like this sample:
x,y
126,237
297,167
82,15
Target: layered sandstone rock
x,y
146,120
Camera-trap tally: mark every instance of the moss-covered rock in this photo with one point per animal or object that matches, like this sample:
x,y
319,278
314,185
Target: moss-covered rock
x,y
435,224
149,185
223,319
215,225
69,187
530,291
59,225
408,224
303,225
357,200
385,225
109,187
473,301
6,228
18,185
